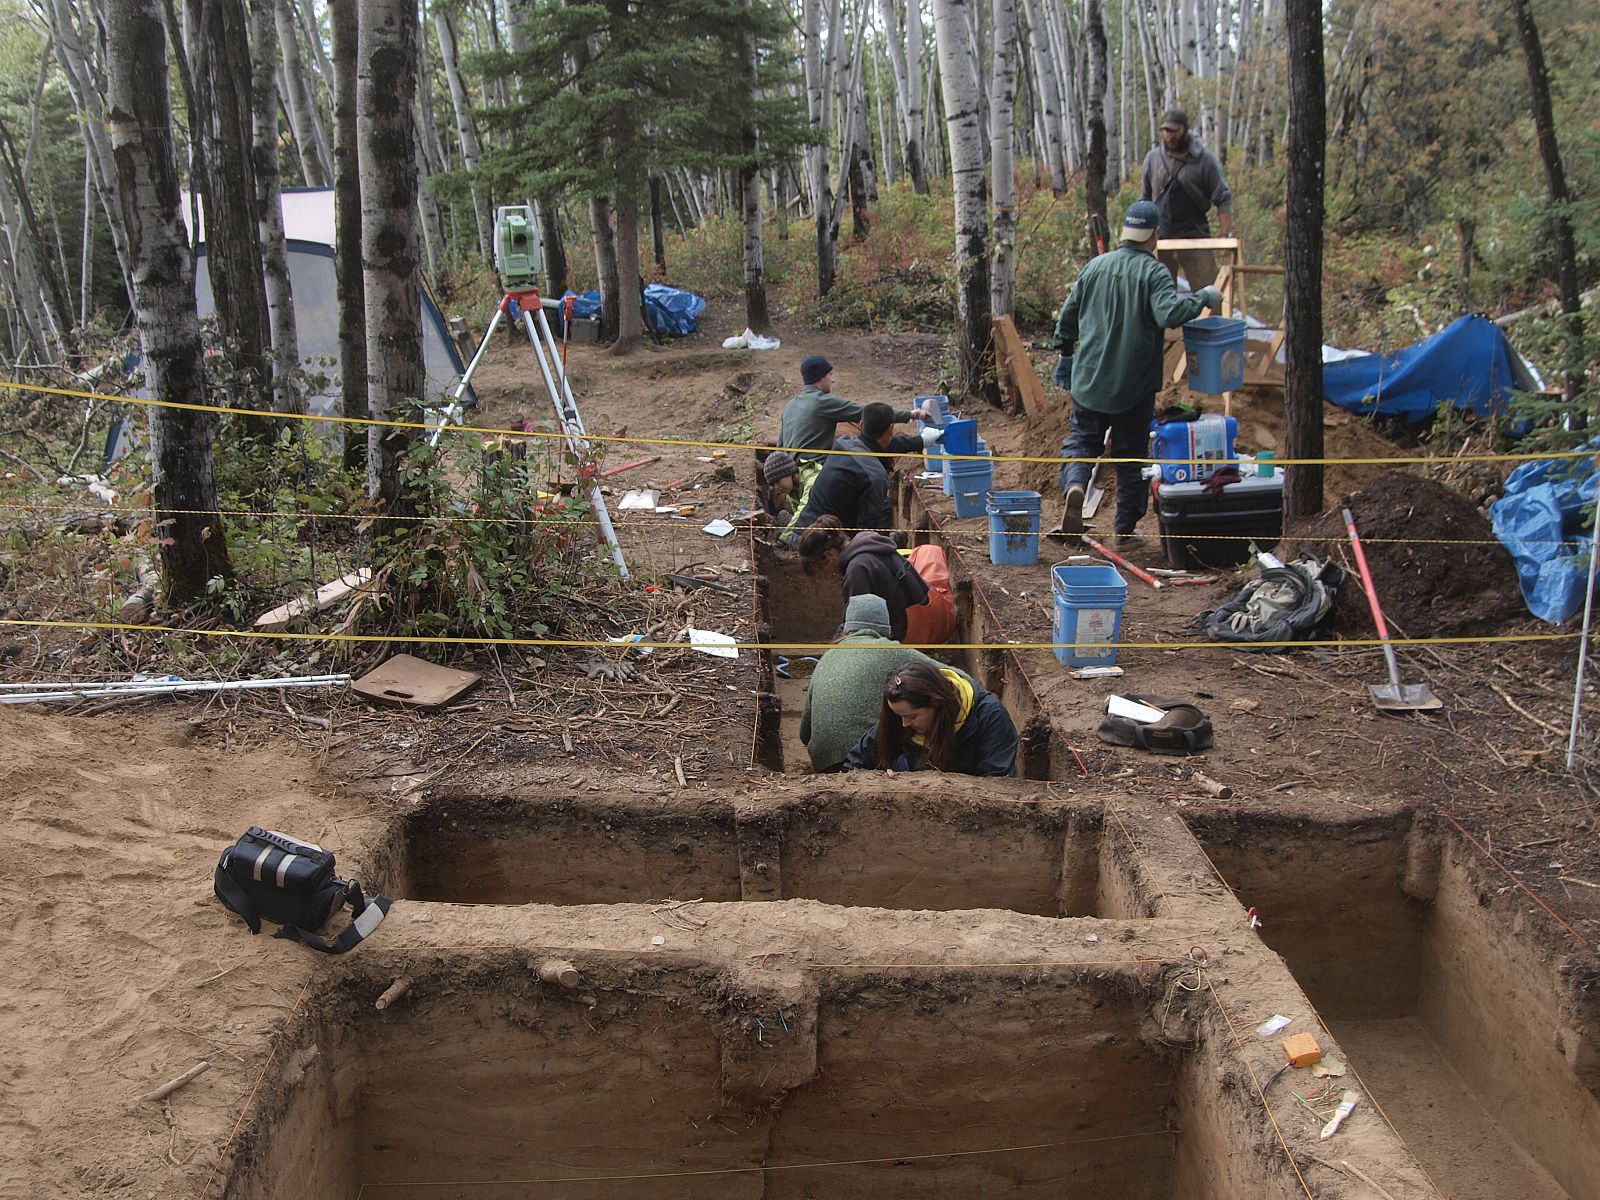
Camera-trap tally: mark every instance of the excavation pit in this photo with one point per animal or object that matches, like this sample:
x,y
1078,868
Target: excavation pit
x,y
1437,979
869,842
802,610
681,1079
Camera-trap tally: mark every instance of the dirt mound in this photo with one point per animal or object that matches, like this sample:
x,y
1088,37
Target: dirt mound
x,y
1436,566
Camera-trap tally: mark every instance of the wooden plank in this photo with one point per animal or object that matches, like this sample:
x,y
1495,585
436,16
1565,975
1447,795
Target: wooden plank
x,y
329,593
1252,269
1198,244
1017,375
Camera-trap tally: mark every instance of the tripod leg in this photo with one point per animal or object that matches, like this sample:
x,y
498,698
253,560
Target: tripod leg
x,y
452,412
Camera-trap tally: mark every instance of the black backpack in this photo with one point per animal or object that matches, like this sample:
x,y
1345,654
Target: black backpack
x,y
292,884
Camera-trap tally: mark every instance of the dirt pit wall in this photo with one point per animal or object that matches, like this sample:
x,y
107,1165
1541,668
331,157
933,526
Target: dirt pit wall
x,y
1428,971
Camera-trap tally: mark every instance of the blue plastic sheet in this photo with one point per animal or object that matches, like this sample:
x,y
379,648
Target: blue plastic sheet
x,y
1541,521
672,310
1468,363
585,306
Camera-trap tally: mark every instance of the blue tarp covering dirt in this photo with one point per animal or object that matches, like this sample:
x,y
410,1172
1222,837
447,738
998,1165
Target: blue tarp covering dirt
x,y
1541,520
669,309
1468,363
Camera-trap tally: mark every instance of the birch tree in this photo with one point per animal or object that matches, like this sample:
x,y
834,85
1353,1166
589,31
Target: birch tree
x,y
1302,275
1094,164
310,140
466,132
819,90
1002,102
348,277
194,548
755,273
274,254
959,85
1049,95
905,64
386,84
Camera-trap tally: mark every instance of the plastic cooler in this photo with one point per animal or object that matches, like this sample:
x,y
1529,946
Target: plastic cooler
x,y
1204,445
1199,532
970,480
1214,349
1014,528
1089,603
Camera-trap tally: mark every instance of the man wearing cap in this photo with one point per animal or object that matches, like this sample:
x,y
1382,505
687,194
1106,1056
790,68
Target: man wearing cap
x,y
1110,335
846,689
810,417
1185,179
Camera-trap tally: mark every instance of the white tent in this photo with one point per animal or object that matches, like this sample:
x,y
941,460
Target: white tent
x,y
309,238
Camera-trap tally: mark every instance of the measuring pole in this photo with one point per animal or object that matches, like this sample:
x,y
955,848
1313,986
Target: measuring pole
x,y
1583,645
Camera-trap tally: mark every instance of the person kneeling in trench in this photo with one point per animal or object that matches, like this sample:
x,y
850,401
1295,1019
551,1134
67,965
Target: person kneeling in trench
x,y
916,587
938,720
843,698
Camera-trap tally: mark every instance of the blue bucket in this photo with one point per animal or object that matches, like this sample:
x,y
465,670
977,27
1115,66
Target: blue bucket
x,y
1014,528
1089,600
961,437
933,459
970,480
1215,352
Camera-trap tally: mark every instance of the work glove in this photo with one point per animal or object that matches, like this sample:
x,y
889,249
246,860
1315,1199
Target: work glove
x,y
1064,372
1210,297
932,435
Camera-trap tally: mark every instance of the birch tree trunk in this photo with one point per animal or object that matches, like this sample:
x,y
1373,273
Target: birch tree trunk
x,y
286,392
310,142
466,132
1044,67
386,84
31,332
755,271
1302,263
347,272
960,88
86,83
194,547
222,73
817,95
1002,101
905,64
1094,164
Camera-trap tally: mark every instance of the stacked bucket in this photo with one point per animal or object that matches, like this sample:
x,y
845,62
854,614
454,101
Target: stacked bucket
x,y
1089,599
969,471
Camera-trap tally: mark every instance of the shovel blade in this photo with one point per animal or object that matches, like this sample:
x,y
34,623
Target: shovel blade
x,y
1091,502
1404,697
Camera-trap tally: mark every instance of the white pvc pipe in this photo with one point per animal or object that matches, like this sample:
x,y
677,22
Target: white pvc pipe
x,y
1583,645
171,689
306,680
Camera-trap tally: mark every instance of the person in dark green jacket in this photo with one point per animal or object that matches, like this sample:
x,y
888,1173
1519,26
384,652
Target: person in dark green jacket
x,y
1111,336
810,418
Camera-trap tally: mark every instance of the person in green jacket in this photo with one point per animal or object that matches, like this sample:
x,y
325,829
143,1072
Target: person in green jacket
x,y
1111,336
847,684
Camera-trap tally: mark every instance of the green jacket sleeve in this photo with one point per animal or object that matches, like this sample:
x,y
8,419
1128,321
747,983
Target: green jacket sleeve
x,y
1167,308
1067,324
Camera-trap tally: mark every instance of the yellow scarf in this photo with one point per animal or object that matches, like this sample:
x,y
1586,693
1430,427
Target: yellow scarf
x,y
964,695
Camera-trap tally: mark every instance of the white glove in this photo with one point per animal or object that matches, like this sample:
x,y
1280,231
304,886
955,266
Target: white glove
x,y
932,435
1210,297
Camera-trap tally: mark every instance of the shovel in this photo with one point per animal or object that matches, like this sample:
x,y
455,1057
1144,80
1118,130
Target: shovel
x,y
1393,696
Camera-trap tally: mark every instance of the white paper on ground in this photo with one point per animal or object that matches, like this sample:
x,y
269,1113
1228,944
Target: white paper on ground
x,y
718,645
642,499
1133,710
1272,1024
718,528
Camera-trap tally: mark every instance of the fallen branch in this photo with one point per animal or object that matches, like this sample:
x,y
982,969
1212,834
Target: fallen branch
x,y
1520,711
392,993
172,1085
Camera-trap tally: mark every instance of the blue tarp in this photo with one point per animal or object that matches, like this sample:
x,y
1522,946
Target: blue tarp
x,y
1468,363
669,309
1540,520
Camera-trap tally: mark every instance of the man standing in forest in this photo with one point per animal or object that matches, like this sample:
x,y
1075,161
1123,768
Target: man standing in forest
x,y
1185,179
1110,337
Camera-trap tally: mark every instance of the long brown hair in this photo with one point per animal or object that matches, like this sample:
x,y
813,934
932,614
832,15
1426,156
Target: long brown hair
x,y
827,534
920,686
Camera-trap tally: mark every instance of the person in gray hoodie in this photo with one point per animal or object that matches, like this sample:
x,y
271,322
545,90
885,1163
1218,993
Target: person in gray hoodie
x,y
1185,179
844,697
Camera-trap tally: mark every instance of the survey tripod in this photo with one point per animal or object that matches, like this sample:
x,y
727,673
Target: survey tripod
x,y
526,303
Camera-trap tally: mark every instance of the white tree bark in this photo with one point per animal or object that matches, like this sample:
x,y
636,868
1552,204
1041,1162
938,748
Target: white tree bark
x,y
466,132
386,84
286,392
1049,95
818,94
194,548
310,139
959,86
1002,104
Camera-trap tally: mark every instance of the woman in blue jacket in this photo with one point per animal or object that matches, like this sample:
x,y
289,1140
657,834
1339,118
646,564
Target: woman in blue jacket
x,y
937,720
